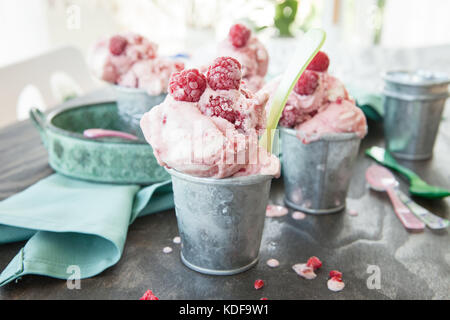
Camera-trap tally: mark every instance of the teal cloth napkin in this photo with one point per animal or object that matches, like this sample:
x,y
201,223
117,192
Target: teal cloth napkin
x,y
370,103
71,222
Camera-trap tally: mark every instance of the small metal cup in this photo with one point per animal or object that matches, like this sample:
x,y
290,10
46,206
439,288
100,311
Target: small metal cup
x,y
413,106
317,175
220,221
132,103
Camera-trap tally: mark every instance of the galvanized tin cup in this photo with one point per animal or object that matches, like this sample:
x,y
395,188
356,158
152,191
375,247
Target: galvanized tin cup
x,y
132,103
220,221
317,175
413,106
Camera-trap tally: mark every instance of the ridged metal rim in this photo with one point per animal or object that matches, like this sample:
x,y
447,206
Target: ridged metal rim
x,y
341,136
444,78
244,180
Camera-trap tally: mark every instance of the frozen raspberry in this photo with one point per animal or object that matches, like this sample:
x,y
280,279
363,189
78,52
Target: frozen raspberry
x,y
320,62
239,35
223,108
336,274
307,83
263,298
148,295
117,45
187,85
288,117
314,263
259,284
224,74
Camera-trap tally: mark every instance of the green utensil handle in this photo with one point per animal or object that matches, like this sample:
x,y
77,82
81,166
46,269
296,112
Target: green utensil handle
x,y
38,118
390,162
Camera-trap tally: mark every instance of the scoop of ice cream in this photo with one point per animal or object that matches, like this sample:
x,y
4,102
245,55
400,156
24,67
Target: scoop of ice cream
x,y
338,117
250,52
209,133
131,60
151,75
319,104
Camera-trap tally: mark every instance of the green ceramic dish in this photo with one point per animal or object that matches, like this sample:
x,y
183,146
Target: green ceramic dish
x,y
108,160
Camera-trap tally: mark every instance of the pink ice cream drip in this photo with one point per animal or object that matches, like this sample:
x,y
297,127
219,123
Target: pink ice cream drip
x,y
210,133
250,52
319,105
130,60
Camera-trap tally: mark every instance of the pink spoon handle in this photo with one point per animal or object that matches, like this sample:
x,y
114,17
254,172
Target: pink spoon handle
x,y
407,218
102,133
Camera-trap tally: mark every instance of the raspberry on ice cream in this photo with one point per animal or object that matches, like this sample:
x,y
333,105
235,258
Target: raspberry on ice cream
x,y
250,52
307,83
187,85
117,45
320,62
130,60
239,35
224,74
209,133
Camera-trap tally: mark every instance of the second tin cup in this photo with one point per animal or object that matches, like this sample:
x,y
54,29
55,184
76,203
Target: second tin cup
x,y
220,221
413,105
317,175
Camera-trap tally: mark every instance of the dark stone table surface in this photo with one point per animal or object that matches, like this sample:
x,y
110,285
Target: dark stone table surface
x,y
412,266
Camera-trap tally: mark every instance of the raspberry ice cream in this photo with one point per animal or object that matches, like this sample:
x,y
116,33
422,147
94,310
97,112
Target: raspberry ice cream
x,y
130,60
319,104
250,52
208,125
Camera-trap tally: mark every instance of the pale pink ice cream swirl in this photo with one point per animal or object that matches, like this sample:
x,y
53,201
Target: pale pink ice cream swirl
x,y
130,60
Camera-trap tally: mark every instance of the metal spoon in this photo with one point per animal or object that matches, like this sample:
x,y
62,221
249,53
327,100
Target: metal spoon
x,y
417,187
381,179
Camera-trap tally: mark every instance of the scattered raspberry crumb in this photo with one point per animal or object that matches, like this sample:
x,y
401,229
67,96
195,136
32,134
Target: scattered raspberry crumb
x,y
117,45
187,85
276,211
273,263
263,299
320,62
167,250
307,84
177,240
335,274
304,271
335,284
298,215
314,263
148,295
259,284
224,74
239,35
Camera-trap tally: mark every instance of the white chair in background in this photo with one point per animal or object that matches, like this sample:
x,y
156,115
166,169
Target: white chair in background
x,y
42,81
